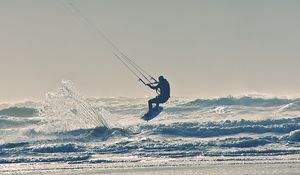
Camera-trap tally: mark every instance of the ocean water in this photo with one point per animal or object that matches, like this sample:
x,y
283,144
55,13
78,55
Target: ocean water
x,y
69,130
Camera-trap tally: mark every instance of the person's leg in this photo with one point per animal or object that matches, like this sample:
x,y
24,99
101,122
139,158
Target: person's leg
x,y
157,104
159,100
150,103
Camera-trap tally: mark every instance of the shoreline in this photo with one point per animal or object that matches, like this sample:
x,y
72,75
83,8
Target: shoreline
x,y
188,169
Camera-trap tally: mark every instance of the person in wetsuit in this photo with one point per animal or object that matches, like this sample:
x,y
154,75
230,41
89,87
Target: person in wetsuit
x,y
163,89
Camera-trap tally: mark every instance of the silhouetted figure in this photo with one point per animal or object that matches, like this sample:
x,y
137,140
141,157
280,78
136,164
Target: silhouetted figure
x,y
163,88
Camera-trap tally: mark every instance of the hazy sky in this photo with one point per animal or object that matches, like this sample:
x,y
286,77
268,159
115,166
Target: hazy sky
x,y
205,48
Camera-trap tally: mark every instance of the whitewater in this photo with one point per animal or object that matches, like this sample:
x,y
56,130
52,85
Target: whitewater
x,y
67,131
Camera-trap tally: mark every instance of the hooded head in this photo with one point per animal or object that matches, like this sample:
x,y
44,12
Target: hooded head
x,y
161,78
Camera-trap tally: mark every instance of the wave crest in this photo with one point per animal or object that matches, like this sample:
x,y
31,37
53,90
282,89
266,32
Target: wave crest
x,y
241,101
67,110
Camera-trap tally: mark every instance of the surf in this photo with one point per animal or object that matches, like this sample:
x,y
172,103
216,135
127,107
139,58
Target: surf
x,y
66,109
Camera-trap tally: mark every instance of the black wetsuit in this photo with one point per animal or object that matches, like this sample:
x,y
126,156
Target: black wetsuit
x,y
164,93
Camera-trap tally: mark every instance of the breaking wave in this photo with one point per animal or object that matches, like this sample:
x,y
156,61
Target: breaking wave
x,y
295,135
241,101
67,110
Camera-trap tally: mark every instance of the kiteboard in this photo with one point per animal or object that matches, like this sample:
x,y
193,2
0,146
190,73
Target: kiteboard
x,y
149,116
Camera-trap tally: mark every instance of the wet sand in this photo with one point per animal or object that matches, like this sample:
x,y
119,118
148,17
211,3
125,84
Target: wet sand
x,y
225,169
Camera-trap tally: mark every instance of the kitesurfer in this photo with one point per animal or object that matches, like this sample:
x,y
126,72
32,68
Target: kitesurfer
x,y
162,87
